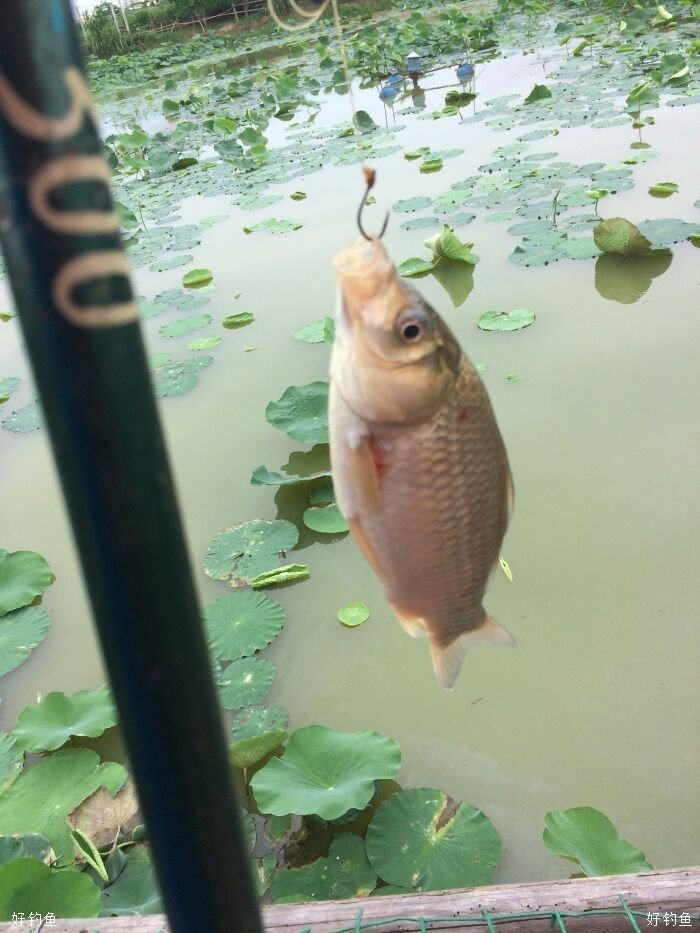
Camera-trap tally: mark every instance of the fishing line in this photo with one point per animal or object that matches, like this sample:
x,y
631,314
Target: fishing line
x,y
310,18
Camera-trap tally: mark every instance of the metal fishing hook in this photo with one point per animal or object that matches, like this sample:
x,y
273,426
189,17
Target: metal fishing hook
x,y
370,176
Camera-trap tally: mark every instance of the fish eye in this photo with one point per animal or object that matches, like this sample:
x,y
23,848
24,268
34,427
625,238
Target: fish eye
x,y
413,325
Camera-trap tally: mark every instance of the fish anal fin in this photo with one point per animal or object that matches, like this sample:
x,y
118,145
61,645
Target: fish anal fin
x,y
447,659
413,625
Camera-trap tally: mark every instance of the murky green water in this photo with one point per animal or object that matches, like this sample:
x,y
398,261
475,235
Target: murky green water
x,y
598,703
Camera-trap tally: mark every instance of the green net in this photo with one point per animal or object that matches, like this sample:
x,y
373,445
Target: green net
x,y
637,920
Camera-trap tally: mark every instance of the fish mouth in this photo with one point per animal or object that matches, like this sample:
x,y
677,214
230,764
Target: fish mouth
x,y
364,270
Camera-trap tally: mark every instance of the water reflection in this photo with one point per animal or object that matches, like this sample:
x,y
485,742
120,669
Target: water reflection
x,y
626,279
457,278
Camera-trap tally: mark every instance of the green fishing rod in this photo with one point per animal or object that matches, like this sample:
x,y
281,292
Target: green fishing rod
x,y
70,279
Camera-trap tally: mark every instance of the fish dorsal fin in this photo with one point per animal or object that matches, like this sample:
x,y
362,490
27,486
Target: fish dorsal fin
x,y
447,659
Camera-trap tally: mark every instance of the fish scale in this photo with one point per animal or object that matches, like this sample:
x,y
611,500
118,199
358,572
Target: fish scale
x,y
427,497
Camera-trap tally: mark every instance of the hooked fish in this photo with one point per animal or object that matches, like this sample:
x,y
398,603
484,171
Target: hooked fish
x,y
419,467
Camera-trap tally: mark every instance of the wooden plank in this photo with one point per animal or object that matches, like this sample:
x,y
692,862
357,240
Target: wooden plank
x,y
674,891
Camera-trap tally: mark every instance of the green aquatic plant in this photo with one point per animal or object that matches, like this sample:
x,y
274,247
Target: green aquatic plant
x,y
302,411
239,554
325,772
11,761
52,721
423,840
242,623
28,887
24,575
245,682
353,614
506,320
587,837
344,873
21,631
135,888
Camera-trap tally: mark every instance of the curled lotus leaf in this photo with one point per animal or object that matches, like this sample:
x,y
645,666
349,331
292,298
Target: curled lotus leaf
x,y
52,721
242,623
319,332
617,235
422,839
344,873
24,575
255,720
325,772
245,753
588,837
239,554
302,411
326,519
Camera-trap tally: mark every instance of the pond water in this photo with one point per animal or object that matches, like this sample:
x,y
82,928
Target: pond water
x,y
597,705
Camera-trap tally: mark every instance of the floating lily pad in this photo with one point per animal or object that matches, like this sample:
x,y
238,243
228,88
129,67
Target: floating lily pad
x,y
298,195
26,419
232,321
135,891
274,226
204,343
52,721
666,231
418,223
414,268
11,762
422,840
185,325
447,245
258,203
248,752
319,332
196,278
289,573
364,122
30,888
325,772
663,189
263,872
353,614
430,165
256,720
261,476
302,411
345,873
412,204
173,379
20,632
24,575
239,554
588,837
506,320
245,682
242,623
163,265
326,519
41,798
8,385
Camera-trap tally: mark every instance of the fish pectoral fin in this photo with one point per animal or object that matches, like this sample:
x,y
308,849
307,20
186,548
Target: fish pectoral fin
x,y
415,626
359,535
362,469
447,659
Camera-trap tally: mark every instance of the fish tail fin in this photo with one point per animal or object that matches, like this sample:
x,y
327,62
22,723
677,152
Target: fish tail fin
x,y
447,659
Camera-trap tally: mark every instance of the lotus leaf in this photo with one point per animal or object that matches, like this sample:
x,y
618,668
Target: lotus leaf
x,y
135,891
258,203
412,204
319,332
241,553
447,245
423,840
417,223
41,798
20,632
666,230
52,721
325,519
24,575
353,614
289,573
457,278
363,122
302,411
172,379
256,720
242,623
102,817
163,265
389,889
539,92
344,873
11,760
245,753
204,343
506,320
233,321
619,236
325,772
185,325
581,247
8,385
430,165
410,155
27,845
261,476
587,836
26,419
274,226
195,278
414,268
27,886
298,195
245,682
663,189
